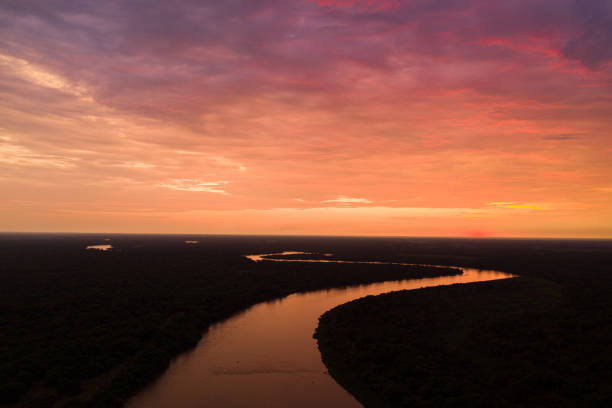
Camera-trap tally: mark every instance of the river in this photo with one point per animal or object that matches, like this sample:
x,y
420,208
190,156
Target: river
x,y
266,356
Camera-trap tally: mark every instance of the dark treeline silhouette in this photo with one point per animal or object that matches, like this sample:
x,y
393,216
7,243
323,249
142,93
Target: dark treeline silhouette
x,y
89,328
541,340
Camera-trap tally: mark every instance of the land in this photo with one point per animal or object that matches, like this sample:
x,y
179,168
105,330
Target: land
x,y
541,340
89,328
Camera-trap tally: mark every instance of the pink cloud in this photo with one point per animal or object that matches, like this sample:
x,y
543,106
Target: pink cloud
x,y
362,4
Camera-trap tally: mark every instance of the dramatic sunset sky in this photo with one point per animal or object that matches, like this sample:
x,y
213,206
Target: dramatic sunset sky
x,y
331,117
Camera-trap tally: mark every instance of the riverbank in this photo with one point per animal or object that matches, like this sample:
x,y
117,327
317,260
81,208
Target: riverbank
x,y
517,342
90,327
280,365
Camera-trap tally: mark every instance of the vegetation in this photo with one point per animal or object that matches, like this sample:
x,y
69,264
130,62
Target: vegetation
x,y
86,328
542,340
89,328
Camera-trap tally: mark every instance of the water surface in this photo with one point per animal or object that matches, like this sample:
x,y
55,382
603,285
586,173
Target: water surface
x,y
100,247
266,356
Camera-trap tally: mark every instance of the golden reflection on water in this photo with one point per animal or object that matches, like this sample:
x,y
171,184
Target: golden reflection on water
x,y
266,356
100,247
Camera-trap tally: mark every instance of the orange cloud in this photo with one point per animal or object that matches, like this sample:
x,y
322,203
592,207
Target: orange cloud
x,y
195,185
348,200
516,205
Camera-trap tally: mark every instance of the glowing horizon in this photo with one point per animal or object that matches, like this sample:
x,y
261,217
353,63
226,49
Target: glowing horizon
x,y
304,117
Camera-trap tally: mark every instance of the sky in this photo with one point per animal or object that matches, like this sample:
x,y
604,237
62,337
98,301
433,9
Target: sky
x,y
469,118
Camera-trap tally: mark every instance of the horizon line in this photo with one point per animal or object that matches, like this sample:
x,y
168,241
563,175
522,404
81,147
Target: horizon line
x,y
305,235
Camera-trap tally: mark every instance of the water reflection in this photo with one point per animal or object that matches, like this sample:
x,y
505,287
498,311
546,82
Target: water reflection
x,y
192,242
272,257
99,247
266,356
267,257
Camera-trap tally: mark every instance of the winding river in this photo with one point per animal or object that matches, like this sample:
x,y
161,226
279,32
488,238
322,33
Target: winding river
x,y
266,356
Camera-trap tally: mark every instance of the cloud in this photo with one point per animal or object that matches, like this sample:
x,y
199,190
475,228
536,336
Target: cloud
x,y
195,185
38,75
348,200
591,34
432,104
136,165
564,136
371,5
224,161
16,155
182,62
515,205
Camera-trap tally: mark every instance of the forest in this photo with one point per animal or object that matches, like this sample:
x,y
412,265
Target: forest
x,y
543,339
89,328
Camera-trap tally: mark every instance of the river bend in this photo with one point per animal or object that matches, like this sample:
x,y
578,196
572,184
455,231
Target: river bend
x,y
266,356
